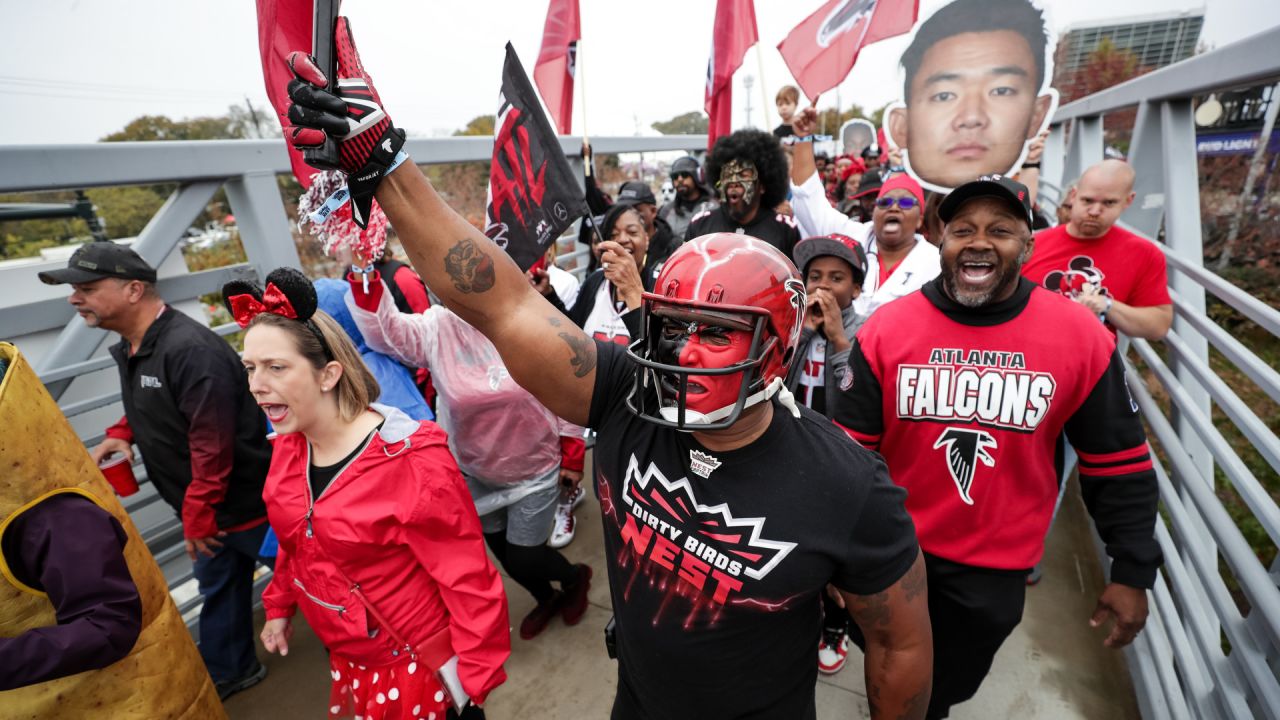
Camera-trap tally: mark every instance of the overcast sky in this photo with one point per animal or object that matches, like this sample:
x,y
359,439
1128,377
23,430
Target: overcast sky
x,y
75,70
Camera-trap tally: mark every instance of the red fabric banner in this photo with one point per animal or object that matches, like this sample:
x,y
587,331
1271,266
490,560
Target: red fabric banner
x,y
733,33
553,72
284,26
822,49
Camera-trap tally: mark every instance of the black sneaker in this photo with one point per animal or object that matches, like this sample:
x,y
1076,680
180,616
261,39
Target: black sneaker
x,y
227,688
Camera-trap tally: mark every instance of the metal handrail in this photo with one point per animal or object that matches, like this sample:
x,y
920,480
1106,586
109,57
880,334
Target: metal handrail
x,y
1263,440
1257,585
1242,357
1254,495
1252,308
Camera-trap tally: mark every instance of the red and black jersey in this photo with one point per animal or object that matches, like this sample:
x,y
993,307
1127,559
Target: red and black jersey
x,y
967,405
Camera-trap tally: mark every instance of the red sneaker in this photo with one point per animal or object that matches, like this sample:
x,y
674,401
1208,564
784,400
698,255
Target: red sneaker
x,y
575,596
536,621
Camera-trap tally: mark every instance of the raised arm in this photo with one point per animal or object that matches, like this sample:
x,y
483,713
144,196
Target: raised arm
x,y
545,353
808,198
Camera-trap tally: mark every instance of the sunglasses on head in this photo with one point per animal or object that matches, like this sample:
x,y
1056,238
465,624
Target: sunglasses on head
x,y
906,203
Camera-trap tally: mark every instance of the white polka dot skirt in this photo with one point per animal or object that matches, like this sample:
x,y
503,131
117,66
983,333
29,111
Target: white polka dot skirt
x,y
403,691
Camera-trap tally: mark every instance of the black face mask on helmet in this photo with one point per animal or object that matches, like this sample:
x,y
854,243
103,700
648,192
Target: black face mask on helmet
x,y
660,391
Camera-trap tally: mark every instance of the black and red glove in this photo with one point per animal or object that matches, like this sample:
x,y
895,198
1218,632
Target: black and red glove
x,y
352,115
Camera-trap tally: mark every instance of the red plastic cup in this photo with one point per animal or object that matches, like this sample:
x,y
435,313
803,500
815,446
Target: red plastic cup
x,y
119,472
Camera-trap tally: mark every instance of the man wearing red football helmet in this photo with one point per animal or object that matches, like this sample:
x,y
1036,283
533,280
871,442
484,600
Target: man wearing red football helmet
x,y
727,510
721,327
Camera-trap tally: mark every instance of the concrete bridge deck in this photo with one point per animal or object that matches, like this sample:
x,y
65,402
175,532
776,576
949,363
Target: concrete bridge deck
x,y
1053,667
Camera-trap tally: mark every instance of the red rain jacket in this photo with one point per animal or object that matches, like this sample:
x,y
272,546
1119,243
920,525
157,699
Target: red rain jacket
x,y
399,521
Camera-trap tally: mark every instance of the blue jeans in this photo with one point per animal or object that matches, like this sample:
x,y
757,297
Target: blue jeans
x,y
226,620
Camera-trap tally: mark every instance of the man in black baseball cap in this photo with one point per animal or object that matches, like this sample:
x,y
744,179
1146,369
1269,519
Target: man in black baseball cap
x,y
98,260
187,407
692,195
938,389
662,241
998,210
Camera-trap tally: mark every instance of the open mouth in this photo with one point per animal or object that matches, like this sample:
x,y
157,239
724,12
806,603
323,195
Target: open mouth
x,y
977,272
893,225
275,413
694,388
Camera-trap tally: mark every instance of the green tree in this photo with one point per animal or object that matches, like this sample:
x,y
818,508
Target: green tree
x,y
127,209
479,125
690,123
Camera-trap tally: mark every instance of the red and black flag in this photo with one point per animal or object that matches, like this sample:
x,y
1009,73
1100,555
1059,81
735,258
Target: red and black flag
x,y
533,195
822,49
285,26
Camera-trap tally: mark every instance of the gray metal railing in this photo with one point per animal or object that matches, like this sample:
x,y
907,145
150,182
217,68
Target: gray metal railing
x,y
1200,656
247,171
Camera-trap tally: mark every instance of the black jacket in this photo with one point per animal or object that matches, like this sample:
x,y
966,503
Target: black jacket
x,y
772,227
203,438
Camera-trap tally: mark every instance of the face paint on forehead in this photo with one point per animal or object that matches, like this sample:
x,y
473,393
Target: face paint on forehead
x,y
742,172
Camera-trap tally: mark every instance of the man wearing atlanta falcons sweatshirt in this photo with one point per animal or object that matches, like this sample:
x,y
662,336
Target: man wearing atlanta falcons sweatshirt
x,y
965,387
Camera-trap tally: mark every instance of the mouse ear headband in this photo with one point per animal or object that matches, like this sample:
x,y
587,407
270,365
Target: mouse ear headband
x,y
288,294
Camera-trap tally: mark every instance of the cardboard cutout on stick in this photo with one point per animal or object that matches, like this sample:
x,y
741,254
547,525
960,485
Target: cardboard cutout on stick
x,y
975,91
857,135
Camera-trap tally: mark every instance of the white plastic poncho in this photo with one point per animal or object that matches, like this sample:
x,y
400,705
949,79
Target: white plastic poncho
x,y
498,432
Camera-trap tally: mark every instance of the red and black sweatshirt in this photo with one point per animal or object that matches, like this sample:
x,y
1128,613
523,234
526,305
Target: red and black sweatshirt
x,y
967,406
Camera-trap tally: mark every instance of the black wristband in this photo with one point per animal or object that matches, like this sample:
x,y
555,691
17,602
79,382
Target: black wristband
x,y
1031,166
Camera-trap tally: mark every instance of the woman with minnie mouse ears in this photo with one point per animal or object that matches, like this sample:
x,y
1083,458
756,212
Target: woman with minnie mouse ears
x,y
380,544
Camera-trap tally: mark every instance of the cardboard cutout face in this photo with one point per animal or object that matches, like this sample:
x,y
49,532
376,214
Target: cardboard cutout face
x,y
857,135
976,91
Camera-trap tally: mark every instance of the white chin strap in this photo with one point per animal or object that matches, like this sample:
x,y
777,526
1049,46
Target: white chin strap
x,y
693,417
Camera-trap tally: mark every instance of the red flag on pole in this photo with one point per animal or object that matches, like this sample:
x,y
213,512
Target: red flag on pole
x,y
284,26
734,32
821,51
553,72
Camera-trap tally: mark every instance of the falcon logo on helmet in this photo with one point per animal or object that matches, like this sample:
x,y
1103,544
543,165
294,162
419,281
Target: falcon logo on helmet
x,y
720,329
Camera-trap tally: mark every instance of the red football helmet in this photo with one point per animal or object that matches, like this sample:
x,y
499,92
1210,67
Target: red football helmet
x,y
720,329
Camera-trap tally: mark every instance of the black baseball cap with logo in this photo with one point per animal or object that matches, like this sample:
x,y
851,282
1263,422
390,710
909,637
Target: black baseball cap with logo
x,y
636,192
835,245
1008,190
98,260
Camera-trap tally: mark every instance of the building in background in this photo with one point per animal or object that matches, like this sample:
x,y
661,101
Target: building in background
x,y
1155,40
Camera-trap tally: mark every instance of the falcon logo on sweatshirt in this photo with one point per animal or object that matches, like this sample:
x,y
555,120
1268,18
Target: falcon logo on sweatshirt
x,y
965,448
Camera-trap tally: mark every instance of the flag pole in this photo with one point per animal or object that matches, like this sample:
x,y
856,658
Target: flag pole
x,y
764,94
589,158
580,71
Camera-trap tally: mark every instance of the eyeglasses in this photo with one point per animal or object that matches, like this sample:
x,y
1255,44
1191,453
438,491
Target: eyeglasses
x,y
906,203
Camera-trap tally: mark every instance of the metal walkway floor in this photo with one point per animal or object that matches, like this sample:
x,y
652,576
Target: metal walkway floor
x,y
1053,666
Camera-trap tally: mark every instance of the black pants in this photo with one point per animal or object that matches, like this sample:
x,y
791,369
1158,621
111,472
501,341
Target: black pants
x,y
972,611
534,568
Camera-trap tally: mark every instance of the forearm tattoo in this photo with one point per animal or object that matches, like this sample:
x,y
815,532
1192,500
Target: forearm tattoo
x,y
471,270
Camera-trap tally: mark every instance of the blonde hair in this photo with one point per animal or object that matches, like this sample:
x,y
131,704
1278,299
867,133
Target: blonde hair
x,y
357,386
789,93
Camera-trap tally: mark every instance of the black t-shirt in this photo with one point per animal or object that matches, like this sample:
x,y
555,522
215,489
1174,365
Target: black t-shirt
x,y
717,559
780,231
